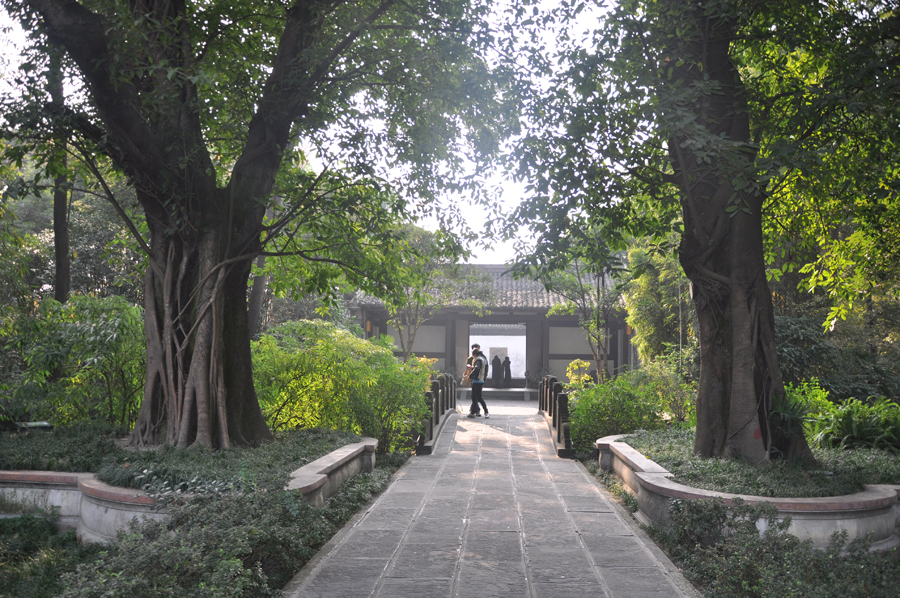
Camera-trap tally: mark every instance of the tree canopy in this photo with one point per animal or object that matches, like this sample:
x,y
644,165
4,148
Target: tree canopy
x,y
201,106
709,118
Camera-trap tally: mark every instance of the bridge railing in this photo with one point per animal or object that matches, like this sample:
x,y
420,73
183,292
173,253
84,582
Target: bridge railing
x,y
554,405
439,400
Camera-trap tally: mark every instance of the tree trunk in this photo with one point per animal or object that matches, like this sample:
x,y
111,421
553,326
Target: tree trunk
x,y
257,295
721,248
199,387
63,279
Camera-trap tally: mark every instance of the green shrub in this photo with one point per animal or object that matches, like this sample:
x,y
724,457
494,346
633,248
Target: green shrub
x,y
228,546
34,554
313,374
721,549
858,424
83,360
615,407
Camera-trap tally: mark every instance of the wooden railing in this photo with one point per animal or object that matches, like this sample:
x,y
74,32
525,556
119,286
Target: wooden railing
x,y
554,405
441,399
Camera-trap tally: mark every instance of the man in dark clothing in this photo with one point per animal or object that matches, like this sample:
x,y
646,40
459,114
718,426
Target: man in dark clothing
x,y
478,374
497,371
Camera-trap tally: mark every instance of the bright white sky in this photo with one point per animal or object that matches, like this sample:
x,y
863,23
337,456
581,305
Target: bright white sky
x,y
12,39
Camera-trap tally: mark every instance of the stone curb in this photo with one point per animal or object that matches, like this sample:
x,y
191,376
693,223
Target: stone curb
x,y
98,510
874,510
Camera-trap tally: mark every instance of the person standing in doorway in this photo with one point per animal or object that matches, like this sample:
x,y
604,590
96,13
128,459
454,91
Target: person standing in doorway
x,y
507,372
497,371
479,373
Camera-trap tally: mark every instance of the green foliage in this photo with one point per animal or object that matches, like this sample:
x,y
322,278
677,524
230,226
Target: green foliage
x,y
854,360
234,545
835,473
657,300
586,276
859,424
578,375
81,446
722,551
434,279
167,473
313,374
83,360
615,407
34,555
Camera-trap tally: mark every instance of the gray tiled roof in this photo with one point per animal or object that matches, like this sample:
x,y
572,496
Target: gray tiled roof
x,y
509,293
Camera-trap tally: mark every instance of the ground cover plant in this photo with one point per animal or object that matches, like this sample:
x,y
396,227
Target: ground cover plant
x,y
223,545
836,472
34,553
720,549
166,472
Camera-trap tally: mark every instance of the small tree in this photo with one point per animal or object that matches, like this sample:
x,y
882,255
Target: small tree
x,y
436,281
588,285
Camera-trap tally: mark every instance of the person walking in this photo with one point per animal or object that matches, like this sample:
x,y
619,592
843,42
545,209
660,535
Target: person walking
x,y
507,372
497,371
479,373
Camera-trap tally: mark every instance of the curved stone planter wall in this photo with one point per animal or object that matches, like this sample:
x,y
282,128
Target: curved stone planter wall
x,y
875,510
99,511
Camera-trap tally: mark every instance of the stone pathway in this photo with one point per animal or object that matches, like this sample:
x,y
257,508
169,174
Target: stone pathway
x,y
492,513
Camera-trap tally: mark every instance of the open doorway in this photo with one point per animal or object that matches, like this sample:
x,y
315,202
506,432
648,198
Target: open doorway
x,y
503,340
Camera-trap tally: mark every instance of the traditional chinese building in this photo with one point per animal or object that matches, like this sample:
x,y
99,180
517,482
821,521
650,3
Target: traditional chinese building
x,y
516,325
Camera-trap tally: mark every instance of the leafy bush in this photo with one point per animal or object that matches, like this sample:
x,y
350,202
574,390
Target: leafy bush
x,y
83,360
34,554
220,547
615,407
313,374
721,549
858,424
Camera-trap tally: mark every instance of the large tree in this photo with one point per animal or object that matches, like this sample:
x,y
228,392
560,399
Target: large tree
x,y
197,104
667,123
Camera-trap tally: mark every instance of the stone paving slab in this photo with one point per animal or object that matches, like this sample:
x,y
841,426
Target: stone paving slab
x,y
491,513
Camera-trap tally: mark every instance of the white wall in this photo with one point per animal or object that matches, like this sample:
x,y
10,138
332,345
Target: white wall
x,y
515,346
429,339
568,341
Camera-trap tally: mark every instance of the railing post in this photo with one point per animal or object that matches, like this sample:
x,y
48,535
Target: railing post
x,y
429,399
435,393
561,416
554,392
541,387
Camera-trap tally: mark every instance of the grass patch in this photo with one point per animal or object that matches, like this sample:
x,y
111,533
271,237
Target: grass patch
x,y
838,472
